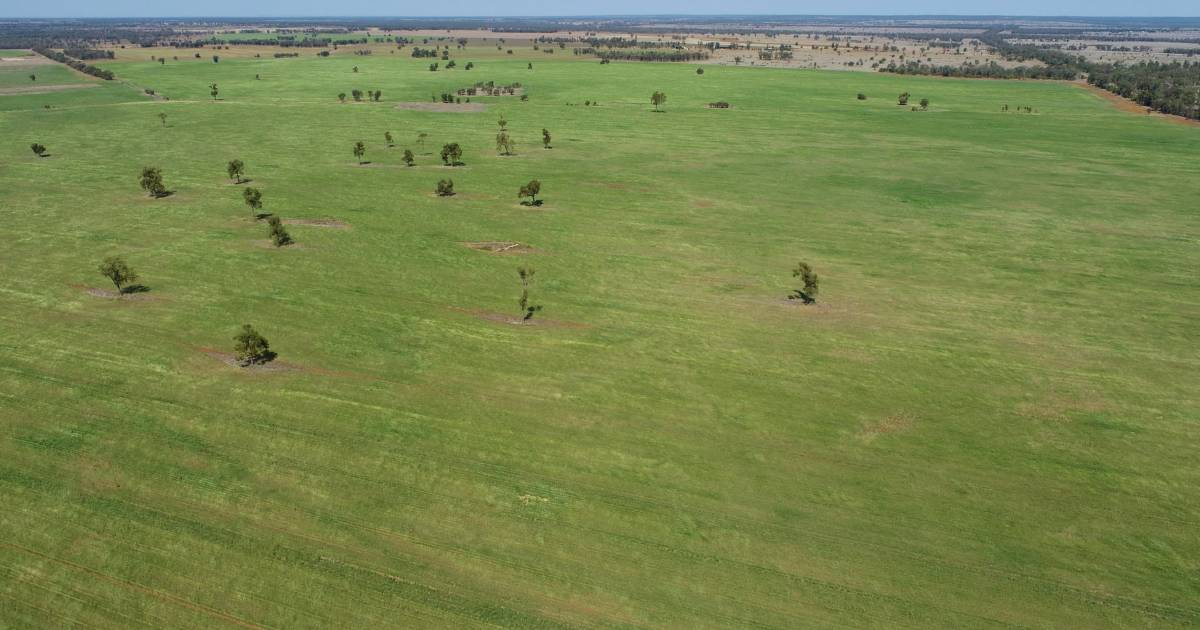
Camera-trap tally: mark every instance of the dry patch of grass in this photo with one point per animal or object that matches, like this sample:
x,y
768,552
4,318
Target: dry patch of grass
x,y
501,247
895,423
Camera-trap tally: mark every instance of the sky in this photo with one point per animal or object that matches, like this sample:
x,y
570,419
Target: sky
x,y
296,8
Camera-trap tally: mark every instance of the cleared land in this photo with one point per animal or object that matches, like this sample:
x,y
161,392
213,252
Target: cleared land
x,y
987,421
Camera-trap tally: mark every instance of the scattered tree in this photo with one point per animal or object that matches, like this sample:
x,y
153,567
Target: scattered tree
x,y
162,117
503,123
33,77
658,98
236,169
531,190
903,100
38,149
445,187
504,143
421,139
408,157
862,97
924,103
279,234
546,138
387,137
808,294
115,269
527,309
250,347
152,181
253,199
342,97
212,89
699,70
359,150
452,154
357,94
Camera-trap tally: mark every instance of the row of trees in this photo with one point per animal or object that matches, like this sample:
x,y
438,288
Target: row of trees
x,y
85,68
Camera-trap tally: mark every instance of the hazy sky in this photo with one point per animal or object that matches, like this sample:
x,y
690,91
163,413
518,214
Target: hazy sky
x,y
232,8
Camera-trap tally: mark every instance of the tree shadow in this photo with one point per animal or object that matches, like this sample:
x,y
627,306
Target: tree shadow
x,y
364,163
261,359
164,194
535,204
244,181
134,288
45,155
262,215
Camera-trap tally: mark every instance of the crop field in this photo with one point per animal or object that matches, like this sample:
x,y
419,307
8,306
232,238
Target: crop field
x,y
987,420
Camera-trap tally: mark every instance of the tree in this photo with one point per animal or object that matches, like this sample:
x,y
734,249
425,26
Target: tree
x,y
503,123
452,154
408,157
658,98
924,103
279,234
342,97
152,181
903,100
445,187
699,70
387,136
376,94
504,144
33,77
546,138
862,97
357,94
38,149
527,309
530,63
359,150
216,58
808,294
236,169
421,139
531,190
212,89
115,269
162,117
250,347
355,69
253,199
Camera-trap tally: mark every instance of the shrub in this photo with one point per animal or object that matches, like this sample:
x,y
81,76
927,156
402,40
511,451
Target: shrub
x,y
38,149
279,234
807,294
250,348
445,187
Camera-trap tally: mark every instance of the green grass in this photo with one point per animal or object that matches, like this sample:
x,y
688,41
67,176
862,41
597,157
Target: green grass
x,y
46,75
987,421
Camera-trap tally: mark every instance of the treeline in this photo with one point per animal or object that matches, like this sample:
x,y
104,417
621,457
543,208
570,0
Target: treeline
x,y
88,53
991,70
1172,88
640,54
107,75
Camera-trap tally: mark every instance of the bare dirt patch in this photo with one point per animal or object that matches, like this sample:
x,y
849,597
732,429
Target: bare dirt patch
x,y
502,247
45,89
229,359
321,223
454,108
516,320
895,423
1127,105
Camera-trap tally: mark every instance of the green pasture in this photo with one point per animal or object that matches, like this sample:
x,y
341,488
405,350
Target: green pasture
x,y
988,420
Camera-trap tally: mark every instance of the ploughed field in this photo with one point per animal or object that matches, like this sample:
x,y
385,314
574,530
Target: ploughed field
x,y
988,419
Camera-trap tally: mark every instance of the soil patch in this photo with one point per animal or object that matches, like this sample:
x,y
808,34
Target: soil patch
x,y
44,89
323,223
455,108
502,247
516,320
229,359
895,423
1127,105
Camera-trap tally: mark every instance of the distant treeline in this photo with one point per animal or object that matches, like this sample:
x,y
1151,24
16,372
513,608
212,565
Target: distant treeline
x,y
642,54
88,53
107,75
1172,88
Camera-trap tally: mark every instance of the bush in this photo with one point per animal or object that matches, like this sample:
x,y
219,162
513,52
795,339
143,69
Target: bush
x,y
279,234
250,347
445,187
862,97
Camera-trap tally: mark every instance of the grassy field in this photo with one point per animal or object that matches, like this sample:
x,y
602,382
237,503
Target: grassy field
x,y
987,421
